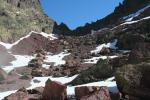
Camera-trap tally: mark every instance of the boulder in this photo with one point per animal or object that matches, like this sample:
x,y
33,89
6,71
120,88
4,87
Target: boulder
x,y
140,52
35,63
127,41
54,91
105,51
133,81
92,93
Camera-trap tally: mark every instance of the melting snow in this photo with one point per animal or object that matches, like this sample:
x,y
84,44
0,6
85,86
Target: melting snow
x,y
42,80
110,83
112,86
7,93
108,45
21,61
94,60
131,16
56,59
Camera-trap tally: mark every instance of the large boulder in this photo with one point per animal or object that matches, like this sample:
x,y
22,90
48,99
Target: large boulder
x,y
128,41
133,81
92,93
140,52
54,91
103,70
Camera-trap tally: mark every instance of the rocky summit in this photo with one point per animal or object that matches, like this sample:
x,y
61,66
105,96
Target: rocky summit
x,y
105,60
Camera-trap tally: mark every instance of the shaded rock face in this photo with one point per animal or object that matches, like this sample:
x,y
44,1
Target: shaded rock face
x,y
128,41
54,91
102,70
92,93
140,52
132,81
19,17
5,57
31,44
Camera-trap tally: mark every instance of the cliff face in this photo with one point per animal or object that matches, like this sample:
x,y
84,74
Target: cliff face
x,y
19,17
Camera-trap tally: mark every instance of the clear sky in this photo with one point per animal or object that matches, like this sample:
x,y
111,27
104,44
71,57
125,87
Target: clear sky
x,y
76,13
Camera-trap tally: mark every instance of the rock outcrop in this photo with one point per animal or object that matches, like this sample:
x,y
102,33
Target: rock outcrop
x,y
19,17
133,81
140,52
54,91
92,93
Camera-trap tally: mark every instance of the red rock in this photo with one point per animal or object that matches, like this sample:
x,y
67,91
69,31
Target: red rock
x,y
54,91
31,44
21,94
92,93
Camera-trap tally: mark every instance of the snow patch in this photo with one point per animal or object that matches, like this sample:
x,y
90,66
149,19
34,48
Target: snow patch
x,y
21,61
108,45
42,80
131,16
112,86
56,59
94,60
5,94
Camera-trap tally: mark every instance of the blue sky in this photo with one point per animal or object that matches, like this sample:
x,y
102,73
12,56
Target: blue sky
x,y
76,13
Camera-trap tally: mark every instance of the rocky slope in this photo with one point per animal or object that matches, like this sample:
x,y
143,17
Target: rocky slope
x,y
51,66
19,17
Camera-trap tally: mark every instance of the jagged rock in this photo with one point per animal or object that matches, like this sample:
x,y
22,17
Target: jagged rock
x,y
133,81
92,93
54,91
